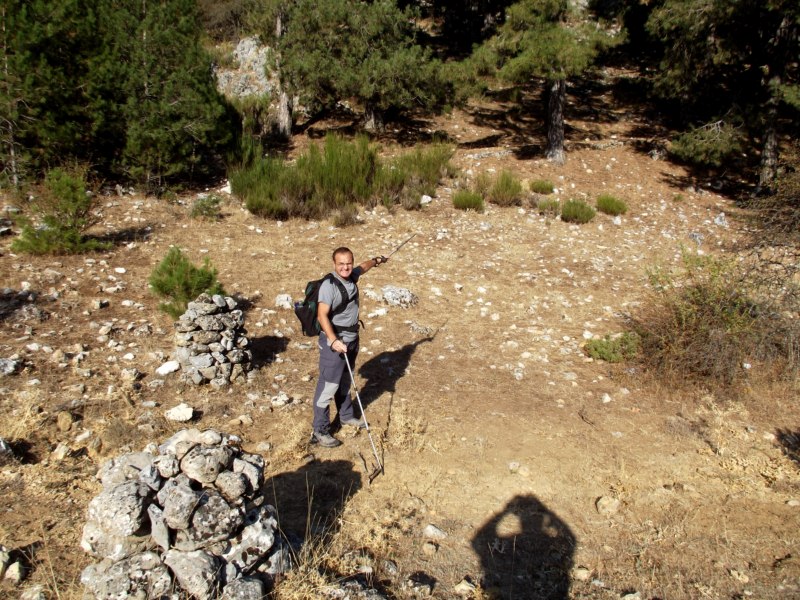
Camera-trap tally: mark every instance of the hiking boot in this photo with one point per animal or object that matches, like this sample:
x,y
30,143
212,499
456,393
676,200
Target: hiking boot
x,y
326,440
353,422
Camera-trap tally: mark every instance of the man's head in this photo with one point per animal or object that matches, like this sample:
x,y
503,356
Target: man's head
x,y
343,262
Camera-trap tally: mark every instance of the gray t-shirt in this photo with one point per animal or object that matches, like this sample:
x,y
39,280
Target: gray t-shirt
x,y
329,294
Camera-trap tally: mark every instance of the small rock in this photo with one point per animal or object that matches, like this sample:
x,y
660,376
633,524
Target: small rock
x,y
61,452
429,548
581,574
282,399
793,502
632,596
464,588
606,505
168,367
181,413
34,593
14,573
284,301
432,532
64,421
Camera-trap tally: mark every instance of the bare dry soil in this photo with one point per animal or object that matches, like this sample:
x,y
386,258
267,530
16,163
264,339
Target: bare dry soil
x,y
553,476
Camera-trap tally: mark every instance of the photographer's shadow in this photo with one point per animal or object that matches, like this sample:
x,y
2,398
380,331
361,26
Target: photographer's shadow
x,y
383,371
526,552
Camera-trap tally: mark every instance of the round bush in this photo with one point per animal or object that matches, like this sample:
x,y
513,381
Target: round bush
x,y
577,211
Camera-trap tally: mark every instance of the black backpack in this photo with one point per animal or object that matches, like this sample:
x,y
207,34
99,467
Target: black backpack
x,y
306,310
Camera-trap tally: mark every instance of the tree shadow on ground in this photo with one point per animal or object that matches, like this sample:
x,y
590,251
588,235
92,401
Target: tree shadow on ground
x,y
124,236
310,499
525,551
790,441
265,349
383,371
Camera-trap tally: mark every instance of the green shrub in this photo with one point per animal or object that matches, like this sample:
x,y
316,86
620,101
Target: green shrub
x,y
422,169
468,200
339,173
65,211
549,208
712,317
709,145
425,166
483,183
506,190
542,186
206,207
260,186
611,205
178,281
576,211
614,348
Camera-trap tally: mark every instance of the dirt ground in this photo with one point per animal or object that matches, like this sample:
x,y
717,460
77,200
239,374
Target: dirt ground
x,y
552,475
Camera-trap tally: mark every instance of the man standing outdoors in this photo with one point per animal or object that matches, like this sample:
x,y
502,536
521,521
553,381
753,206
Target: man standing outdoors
x,y
337,314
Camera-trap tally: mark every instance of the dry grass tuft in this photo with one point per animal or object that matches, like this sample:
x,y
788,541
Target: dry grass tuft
x,y
407,429
26,416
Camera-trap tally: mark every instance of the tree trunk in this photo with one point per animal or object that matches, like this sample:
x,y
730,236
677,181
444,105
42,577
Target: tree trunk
x,y
781,48
284,121
9,123
556,93
373,118
768,169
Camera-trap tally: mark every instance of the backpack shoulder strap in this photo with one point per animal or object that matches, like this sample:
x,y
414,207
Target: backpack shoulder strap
x,y
342,291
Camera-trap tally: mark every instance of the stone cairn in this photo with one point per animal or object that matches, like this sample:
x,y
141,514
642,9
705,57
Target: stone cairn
x,y
211,341
183,518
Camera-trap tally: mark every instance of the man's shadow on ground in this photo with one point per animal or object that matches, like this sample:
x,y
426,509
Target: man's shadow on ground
x,y
383,371
310,499
526,552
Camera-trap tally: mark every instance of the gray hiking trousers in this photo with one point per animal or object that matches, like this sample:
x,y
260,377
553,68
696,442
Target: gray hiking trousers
x,y
333,385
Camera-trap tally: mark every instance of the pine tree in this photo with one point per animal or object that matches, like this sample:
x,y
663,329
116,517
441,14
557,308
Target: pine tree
x,y
175,120
45,47
736,58
334,50
548,40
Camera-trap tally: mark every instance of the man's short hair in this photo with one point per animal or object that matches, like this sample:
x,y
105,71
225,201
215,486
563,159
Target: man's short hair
x,y
341,250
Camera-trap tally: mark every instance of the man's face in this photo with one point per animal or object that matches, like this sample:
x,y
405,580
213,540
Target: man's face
x,y
343,264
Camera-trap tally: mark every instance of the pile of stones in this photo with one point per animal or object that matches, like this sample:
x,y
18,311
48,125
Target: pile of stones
x,y
212,345
183,518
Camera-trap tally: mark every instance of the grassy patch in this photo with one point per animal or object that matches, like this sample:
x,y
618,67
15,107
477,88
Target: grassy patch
x,y
611,205
542,186
506,190
614,349
577,211
337,176
549,208
206,207
468,200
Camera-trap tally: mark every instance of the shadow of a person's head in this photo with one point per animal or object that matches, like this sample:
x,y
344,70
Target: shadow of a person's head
x,y
526,551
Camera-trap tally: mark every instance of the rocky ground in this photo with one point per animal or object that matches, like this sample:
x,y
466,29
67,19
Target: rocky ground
x,y
543,473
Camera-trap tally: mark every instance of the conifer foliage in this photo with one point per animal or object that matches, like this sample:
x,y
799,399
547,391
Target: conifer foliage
x,y
551,41
334,50
123,85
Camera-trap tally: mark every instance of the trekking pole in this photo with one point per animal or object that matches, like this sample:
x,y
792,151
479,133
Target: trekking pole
x,y
401,245
379,469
